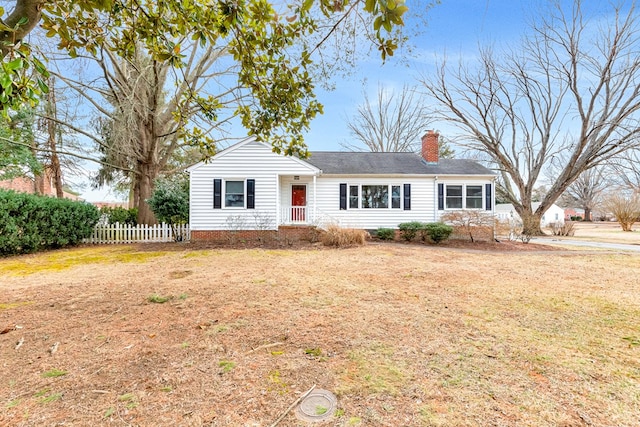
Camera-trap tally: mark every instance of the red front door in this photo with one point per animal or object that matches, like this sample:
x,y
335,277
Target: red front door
x,y
298,202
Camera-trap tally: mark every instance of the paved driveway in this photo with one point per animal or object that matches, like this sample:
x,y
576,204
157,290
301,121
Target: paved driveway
x,y
587,243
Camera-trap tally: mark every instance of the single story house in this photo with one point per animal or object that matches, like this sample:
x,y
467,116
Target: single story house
x,y
249,187
506,212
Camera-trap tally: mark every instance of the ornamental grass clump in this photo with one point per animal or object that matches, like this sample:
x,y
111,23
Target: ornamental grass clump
x,y
340,237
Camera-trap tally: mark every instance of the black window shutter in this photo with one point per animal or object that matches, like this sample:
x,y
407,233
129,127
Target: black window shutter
x,y
487,197
251,194
407,197
440,197
217,194
343,197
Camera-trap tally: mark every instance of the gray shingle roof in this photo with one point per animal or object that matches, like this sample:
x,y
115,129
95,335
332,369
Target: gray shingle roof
x,y
355,163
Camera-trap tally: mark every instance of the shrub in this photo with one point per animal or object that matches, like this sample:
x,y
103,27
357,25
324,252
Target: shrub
x,y
170,199
563,229
438,231
120,215
409,230
472,223
29,223
339,237
625,209
386,233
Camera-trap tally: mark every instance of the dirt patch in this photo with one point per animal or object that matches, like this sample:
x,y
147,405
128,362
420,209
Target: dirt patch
x,y
402,334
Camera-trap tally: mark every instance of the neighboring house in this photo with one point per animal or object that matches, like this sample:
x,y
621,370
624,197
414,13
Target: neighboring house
x,y
24,184
249,187
570,213
506,212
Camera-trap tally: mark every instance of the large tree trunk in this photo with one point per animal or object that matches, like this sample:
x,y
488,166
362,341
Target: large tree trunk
x,y
146,178
56,171
530,222
587,214
52,127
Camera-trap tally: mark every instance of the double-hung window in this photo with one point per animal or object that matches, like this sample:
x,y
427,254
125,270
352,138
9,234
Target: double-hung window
x,y
454,196
474,197
354,190
460,196
395,196
234,194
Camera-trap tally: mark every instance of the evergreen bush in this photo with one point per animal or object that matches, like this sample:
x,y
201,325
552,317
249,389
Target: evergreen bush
x,y
30,223
409,230
438,231
386,233
120,215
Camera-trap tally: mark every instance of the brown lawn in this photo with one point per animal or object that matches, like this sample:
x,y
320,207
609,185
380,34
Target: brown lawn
x,y
404,335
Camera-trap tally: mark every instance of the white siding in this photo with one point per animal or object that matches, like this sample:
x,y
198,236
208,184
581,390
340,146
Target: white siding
x,y
274,175
464,181
328,192
251,160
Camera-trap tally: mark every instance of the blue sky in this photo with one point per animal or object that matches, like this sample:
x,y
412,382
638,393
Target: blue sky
x,y
454,28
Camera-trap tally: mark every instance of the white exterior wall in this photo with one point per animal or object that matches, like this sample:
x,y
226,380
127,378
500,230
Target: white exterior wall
x,y
422,202
554,214
464,181
252,160
274,175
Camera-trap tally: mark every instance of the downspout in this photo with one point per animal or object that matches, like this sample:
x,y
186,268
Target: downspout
x,y
278,203
435,199
315,204
493,209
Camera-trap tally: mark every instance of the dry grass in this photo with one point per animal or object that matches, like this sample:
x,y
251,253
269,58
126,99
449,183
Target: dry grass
x,y
403,334
340,237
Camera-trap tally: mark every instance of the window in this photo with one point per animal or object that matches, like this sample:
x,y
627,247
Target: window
x,y
454,197
474,197
353,197
375,196
395,196
234,194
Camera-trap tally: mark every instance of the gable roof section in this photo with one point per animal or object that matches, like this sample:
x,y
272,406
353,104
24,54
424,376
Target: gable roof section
x,y
368,163
248,142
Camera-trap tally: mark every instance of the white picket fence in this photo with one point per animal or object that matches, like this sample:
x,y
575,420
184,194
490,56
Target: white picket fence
x,y
127,233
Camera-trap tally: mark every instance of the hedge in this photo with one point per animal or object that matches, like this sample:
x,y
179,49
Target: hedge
x,y
30,223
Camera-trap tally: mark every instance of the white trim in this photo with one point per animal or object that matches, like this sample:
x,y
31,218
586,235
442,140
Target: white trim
x,y
389,195
223,193
278,201
315,199
464,196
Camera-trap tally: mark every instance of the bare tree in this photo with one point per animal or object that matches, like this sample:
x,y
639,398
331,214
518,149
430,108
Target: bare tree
x,y
625,207
571,87
627,170
587,190
142,110
394,122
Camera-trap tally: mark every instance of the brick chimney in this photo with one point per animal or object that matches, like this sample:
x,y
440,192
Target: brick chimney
x,y
430,147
